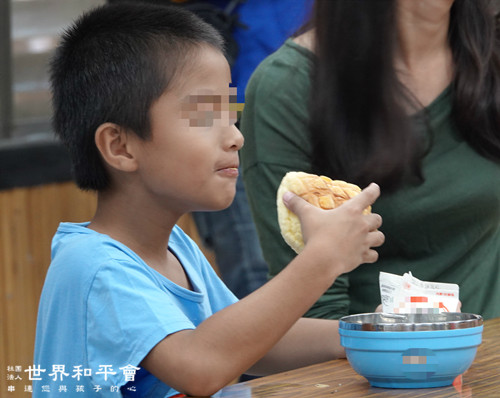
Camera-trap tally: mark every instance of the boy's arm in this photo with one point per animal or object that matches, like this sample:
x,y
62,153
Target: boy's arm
x,y
309,341
203,360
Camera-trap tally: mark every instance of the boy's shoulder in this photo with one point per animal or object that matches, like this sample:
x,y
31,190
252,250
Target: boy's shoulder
x,y
79,254
81,243
82,247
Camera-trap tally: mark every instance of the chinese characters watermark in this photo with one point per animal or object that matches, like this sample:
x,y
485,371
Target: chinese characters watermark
x,y
60,378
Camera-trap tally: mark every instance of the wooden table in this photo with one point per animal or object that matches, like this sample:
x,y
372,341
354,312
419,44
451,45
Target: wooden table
x,y
337,379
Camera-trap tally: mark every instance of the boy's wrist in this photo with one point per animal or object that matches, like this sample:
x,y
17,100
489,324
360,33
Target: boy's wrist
x,y
319,267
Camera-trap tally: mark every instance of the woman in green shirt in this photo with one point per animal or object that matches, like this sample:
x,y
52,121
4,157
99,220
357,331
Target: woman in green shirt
x,y
403,93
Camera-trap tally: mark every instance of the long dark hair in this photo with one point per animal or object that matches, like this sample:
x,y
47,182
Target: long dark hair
x,y
359,124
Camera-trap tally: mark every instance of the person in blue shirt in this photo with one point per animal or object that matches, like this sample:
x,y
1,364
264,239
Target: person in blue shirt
x,y
130,306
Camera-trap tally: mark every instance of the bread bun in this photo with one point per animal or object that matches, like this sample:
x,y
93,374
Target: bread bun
x,y
320,191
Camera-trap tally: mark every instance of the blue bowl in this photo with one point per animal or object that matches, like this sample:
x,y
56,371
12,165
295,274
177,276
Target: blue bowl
x,y
411,350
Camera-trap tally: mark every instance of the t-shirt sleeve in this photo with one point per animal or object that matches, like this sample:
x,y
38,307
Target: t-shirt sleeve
x,y
128,313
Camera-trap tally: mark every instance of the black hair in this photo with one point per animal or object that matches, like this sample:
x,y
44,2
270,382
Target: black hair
x,y
358,121
111,65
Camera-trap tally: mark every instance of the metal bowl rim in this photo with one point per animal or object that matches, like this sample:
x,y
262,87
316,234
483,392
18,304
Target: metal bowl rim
x,y
470,321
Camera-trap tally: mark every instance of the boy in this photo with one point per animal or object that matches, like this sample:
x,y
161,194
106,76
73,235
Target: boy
x,y
141,99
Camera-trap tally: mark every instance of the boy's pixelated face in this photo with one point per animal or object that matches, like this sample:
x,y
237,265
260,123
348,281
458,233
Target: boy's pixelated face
x,y
202,109
191,161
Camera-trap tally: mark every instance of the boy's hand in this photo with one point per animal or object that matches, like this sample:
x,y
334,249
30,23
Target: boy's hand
x,y
343,237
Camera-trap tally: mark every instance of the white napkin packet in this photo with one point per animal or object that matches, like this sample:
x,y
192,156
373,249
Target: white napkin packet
x,y
409,295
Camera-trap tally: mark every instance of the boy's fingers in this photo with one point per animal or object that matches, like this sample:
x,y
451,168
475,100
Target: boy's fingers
x,y
376,239
294,203
367,197
375,221
371,257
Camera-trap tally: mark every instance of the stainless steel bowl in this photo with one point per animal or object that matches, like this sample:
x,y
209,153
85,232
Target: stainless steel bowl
x,y
382,322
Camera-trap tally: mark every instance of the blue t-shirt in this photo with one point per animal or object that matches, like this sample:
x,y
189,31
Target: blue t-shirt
x,y
102,310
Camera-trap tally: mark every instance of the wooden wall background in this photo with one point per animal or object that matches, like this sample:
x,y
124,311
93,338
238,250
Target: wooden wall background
x,y
28,219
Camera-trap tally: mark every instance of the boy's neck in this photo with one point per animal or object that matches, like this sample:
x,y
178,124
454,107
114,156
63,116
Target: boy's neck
x,y
143,229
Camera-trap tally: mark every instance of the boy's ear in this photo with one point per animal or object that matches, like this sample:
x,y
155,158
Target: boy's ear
x,y
115,146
